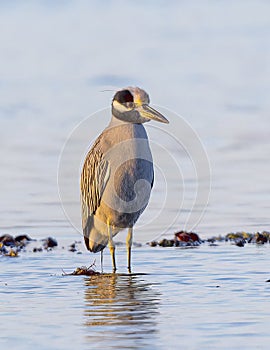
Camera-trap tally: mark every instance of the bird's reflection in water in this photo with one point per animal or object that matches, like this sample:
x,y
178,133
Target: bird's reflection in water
x,y
120,310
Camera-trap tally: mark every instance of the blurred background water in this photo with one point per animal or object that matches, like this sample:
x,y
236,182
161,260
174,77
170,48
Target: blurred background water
x,y
207,61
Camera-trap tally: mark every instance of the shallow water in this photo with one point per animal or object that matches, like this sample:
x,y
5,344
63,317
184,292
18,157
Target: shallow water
x,y
207,297
205,61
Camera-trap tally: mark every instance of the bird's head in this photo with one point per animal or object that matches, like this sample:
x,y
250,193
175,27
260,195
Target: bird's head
x,y
132,105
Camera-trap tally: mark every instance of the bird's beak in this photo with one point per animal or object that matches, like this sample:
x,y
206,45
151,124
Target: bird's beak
x,y
150,113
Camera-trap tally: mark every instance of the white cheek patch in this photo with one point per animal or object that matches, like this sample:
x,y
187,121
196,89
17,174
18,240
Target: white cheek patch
x,y
120,108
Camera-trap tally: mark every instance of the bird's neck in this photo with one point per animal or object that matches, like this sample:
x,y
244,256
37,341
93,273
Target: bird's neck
x,y
115,121
126,130
118,122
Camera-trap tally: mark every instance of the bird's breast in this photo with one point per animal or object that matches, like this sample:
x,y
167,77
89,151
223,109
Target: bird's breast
x,y
131,172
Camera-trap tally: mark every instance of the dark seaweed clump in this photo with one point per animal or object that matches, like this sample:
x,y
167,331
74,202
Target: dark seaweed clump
x,y
181,239
13,245
83,271
191,239
241,238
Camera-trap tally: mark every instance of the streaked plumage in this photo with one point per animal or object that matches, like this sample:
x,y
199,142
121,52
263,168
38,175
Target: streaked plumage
x,y
117,174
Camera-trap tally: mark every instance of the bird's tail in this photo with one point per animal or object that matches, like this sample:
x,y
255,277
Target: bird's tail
x,y
95,241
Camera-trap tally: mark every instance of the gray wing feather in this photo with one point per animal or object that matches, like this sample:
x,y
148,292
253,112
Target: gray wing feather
x,y
94,177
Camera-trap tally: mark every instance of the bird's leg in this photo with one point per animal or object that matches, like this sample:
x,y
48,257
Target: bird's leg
x,y
129,244
101,260
111,246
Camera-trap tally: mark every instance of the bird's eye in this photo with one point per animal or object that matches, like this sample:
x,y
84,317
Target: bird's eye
x,y
124,97
129,104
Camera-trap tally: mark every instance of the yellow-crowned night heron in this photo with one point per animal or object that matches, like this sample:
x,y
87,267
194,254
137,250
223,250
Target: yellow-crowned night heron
x,y
117,175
